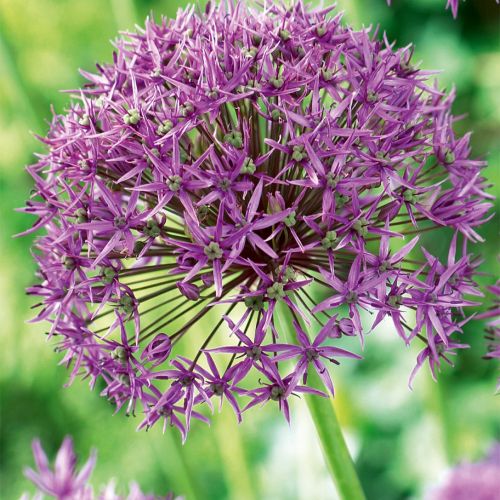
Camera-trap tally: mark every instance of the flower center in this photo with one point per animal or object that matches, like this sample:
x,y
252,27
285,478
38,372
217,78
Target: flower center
x,y
254,303
225,184
254,353
235,138
174,182
213,251
276,392
120,222
311,354
217,388
330,240
276,291
152,229
395,301
331,180
132,117
248,166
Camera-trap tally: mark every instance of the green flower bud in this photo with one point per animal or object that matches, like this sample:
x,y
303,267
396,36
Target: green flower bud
x,y
409,196
108,274
449,156
152,229
254,303
290,219
224,184
276,393
120,353
276,114
213,251
213,94
298,153
202,211
68,262
81,215
330,240
174,182
235,138
284,35
248,166
165,127
395,301
132,117
126,304
327,74
360,226
251,52
351,297
256,39
341,200
276,291
331,180
288,274
372,96
120,222
277,83
186,109
138,247
84,121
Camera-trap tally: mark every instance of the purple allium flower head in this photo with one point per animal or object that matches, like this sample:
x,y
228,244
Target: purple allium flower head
x,y
467,481
450,4
233,161
65,483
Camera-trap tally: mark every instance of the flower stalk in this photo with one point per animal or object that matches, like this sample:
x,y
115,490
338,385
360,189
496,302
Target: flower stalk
x,y
333,445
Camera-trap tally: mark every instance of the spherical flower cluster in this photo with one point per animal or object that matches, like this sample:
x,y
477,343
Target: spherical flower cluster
x,y
469,481
234,163
66,483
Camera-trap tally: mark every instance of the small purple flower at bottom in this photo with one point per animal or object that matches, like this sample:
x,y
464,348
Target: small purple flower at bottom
x,y
64,482
472,481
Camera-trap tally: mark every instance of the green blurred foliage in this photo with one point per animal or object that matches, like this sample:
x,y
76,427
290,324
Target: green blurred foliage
x,y
402,440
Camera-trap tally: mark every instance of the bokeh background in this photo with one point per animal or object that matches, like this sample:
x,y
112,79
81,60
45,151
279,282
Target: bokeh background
x,y
403,441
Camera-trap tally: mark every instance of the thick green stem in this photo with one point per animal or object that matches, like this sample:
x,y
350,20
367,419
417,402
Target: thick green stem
x,y
333,444
176,462
325,420
236,468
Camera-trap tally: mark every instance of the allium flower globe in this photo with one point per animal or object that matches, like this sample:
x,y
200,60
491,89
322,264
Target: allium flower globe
x,y
242,161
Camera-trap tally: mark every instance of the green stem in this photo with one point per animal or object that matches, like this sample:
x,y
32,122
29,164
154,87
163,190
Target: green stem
x,y
336,454
332,442
436,401
175,462
236,468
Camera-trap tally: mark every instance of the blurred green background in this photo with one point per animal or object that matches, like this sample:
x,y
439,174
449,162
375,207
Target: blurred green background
x,y
403,441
